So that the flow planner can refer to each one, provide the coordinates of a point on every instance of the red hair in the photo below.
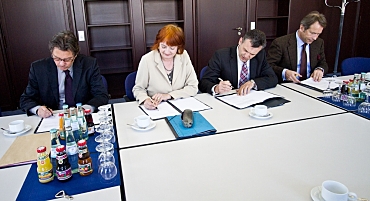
(172, 35)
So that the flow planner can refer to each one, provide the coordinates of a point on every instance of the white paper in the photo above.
(323, 84)
(164, 109)
(253, 97)
(48, 123)
(189, 103)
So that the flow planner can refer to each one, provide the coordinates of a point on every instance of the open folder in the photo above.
(253, 98)
(200, 126)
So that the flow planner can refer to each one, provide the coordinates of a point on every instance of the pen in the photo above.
(153, 103)
(223, 80)
(49, 110)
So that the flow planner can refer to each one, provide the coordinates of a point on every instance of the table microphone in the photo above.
(187, 118)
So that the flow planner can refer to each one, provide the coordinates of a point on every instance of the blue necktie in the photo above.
(68, 90)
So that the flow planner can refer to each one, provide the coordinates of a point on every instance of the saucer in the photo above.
(316, 194)
(26, 128)
(269, 115)
(151, 125)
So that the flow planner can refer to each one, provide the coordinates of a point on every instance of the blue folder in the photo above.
(200, 126)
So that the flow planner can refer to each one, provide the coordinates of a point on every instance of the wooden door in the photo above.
(27, 27)
(216, 27)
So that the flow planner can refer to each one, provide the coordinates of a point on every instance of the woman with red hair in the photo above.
(166, 72)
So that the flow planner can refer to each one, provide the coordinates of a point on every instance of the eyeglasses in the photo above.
(57, 59)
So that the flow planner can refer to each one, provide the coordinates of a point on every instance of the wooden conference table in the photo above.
(305, 142)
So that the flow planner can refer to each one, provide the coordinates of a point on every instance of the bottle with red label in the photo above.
(84, 159)
(44, 166)
(90, 122)
(63, 169)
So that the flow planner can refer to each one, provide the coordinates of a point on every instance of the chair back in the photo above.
(354, 65)
(129, 84)
(202, 72)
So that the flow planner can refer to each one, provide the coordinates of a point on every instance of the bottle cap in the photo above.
(87, 110)
(60, 148)
(81, 143)
(65, 106)
(61, 114)
(41, 149)
(78, 104)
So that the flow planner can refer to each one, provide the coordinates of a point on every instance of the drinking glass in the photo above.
(349, 101)
(336, 96)
(107, 170)
(327, 93)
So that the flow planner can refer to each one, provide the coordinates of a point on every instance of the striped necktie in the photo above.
(243, 74)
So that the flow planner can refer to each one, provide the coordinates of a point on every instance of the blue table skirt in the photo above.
(32, 189)
(350, 109)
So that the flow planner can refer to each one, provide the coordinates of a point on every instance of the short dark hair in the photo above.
(313, 17)
(65, 41)
(257, 37)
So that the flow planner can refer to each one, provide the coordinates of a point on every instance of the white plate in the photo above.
(151, 125)
(26, 128)
(316, 194)
(269, 115)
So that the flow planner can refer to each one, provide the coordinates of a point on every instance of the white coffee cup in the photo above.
(142, 121)
(260, 110)
(16, 126)
(335, 191)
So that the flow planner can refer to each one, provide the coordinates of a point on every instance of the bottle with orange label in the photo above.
(44, 166)
(62, 133)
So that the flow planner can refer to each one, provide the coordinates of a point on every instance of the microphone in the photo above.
(187, 118)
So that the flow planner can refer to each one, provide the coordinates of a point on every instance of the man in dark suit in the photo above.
(243, 67)
(285, 53)
(64, 78)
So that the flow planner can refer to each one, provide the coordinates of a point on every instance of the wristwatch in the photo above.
(254, 84)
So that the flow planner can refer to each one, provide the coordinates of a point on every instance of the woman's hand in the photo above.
(150, 104)
(158, 98)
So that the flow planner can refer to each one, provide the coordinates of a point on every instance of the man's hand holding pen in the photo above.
(44, 112)
(223, 86)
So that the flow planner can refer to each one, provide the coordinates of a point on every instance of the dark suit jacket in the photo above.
(42, 88)
(224, 65)
(282, 53)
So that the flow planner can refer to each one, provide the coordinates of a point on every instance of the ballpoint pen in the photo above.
(49, 110)
(223, 80)
(153, 103)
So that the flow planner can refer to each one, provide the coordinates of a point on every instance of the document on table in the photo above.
(252, 98)
(323, 84)
(23, 149)
(189, 103)
(46, 124)
(163, 110)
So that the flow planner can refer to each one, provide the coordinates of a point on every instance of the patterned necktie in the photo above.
(243, 74)
(68, 89)
(303, 69)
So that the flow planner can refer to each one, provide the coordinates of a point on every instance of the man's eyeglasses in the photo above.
(57, 59)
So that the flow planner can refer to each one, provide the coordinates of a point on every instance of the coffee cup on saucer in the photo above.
(260, 110)
(142, 121)
(16, 126)
(336, 191)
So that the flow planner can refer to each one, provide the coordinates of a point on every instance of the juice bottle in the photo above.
(63, 169)
(62, 133)
(84, 159)
(44, 166)
(90, 122)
